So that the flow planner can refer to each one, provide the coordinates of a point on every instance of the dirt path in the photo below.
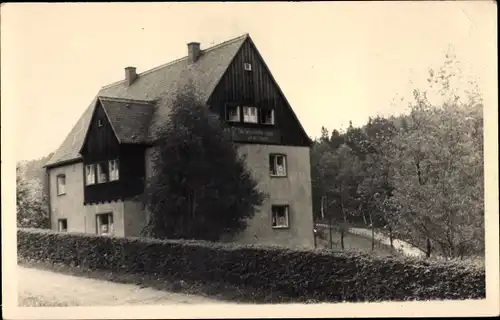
(46, 288)
(400, 245)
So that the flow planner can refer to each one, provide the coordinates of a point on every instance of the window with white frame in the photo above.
(61, 184)
(247, 66)
(104, 223)
(250, 114)
(114, 172)
(62, 225)
(102, 172)
(233, 113)
(267, 116)
(280, 216)
(90, 174)
(277, 165)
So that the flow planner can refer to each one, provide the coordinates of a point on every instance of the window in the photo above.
(102, 172)
(114, 173)
(250, 114)
(62, 225)
(233, 113)
(90, 174)
(247, 66)
(277, 165)
(104, 223)
(267, 116)
(61, 184)
(99, 123)
(280, 216)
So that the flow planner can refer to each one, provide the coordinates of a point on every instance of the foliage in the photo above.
(437, 174)
(294, 275)
(417, 176)
(201, 188)
(31, 202)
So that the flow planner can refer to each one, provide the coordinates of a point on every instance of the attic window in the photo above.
(99, 123)
(267, 116)
(250, 114)
(247, 66)
(233, 113)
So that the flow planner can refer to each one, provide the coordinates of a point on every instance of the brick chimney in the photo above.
(193, 51)
(130, 75)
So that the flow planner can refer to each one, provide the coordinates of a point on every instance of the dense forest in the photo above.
(417, 176)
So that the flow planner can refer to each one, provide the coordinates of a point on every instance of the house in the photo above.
(103, 163)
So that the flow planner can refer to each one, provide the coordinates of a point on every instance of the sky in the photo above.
(335, 61)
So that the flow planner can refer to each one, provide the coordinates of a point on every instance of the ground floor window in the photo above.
(104, 223)
(280, 216)
(62, 225)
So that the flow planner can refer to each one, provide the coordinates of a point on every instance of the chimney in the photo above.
(193, 51)
(130, 75)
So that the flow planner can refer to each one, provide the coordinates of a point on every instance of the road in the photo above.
(45, 288)
(402, 246)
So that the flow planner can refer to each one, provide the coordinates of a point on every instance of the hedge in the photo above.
(298, 275)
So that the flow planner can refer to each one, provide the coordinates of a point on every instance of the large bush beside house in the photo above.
(297, 275)
(202, 188)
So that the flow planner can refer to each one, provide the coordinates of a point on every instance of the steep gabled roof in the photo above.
(129, 118)
(160, 84)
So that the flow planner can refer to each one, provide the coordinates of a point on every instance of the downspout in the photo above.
(47, 177)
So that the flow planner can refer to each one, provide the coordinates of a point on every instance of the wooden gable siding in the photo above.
(101, 142)
(132, 171)
(256, 88)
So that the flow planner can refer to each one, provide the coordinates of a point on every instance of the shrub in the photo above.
(298, 275)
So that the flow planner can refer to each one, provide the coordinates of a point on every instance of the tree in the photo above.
(201, 188)
(31, 209)
(375, 188)
(339, 171)
(437, 168)
(336, 139)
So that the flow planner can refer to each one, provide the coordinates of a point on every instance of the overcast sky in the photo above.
(334, 61)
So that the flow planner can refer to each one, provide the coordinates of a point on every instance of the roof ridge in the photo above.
(217, 46)
(127, 99)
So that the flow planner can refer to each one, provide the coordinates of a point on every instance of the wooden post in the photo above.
(323, 207)
(314, 232)
(330, 229)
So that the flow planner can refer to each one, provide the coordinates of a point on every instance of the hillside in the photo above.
(33, 170)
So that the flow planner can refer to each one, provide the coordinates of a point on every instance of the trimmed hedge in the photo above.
(297, 275)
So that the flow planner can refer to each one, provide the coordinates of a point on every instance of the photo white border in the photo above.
(489, 306)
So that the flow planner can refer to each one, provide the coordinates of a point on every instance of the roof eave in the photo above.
(62, 163)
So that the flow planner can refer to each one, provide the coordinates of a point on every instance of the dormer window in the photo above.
(233, 113)
(267, 116)
(114, 173)
(102, 172)
(247, 66)
(90, 174)
(250, 114)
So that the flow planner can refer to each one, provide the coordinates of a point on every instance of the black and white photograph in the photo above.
(249, 159)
